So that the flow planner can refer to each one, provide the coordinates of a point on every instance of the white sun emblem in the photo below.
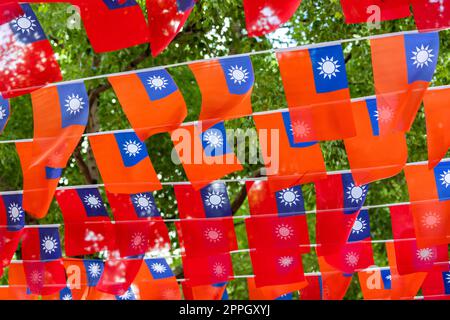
(35, 277)
(158, 267)
(67, 297)
(157, 82)
(49, 244)
(213, 235)
(388, 277)
(384, 114)
(300, 129)
(92, 201)
(143, 202)
(445, 178)
(238, 74)
(213, 138)
(422, 56)
(24, 24)
(285, 261)
(2, 113)
(284, 231)
(359, 226)
(126, 296)
(328, 67)
(356, 193)
(352, 258)
(431, 220)
(219, 269)
(289, 197)
(138, 241)
(94, 270)
(215, 199)
(447, 277)
(132, 148)
(425, 254)
(15, 212)
(74, 104)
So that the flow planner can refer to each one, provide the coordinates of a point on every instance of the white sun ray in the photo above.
(2, 113)
(215, 199)
(285, 261)
(284, 231)
(445, 178)
(384, 114)
(219, 269)
(24, 24)
(126, 296)
(425, 254)
(213, 138)
(35, 277)
(447, 277)
(74, 104)
(289, 197)
(300, 129)
(49, 244)
(238, 74)
(213, 235)
(328, 67)
(351, 258)
(431, 220)
(158, 267)
(422, 56)
(92, 201)
(15, 212)
(143, 202)
(356, 193)
(132, 148)
(94, 270)
(137, 241)
(359, 226)
(157, 82)
(67, 297)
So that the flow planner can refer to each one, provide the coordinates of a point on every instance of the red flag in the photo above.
(206, 155)
(26, 56)
(124, 164)
(207, 292)
(208, 269)
(265, 16)
(373, 156)
(165, 20)
(317, 93)
(154, 105)
(88, 228)
(226, 85)
(431, 15)
(335, 283)
(402, 80)
(287, 163)
(273, 292)
(437, 116)
(42, 263)
(113, 25)
(436, 285)
(361, 11)
(18, 282)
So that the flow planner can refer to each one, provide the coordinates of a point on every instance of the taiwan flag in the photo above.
(437, 116)
(39, 181)
(265, 16)
(436, 285)
(217, 291)
(226, 86)
(113, 24)
(156, 281)
(124, 164)
(5, 112)
(287, 162)
(25, 53)
(83, 276)
(335, 283)
(138, 224)
(366, 11)
(278, 218)
(165, 20)
(88, 228)
(338, 202)
(273, 292)
(42, 263)
(153, 105)
(373, 156)
(402, 79)
(317, 93)
(64, 294)
(277, 267)
(206, 225)
(411, 258)
(431, 15)
(314, 289)
(12, 221)
(206, 155)
(428, 184)
(376, 284)
(207, 269)
(17, 281)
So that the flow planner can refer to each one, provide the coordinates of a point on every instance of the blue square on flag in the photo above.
(290, 201)
(26, 27)
(214, 141)
(354, 196)
(361, 227)
(372, 109)
(446, 279)
(144, 205)
(118, 4)
(158, 84)
(92, 202)
(65, 294)
(15, 215)
(132, 149)
(159, 268)
(290, 132)
(216, 202)
(50, 246)
(442, 180)
(328, 65)
(422, 51)
(94, 270)
(386, 277)
(74, 104)
(238, 72)
(4, 112)
(184, 5)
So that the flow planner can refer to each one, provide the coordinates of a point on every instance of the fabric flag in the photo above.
(206, 155)
(410, 258)
(431, 15)
(338, 201)
(273, 292)
(124, 164)
(165, 20)
(278, 218)
(113, 24)
(83, 276)
(425, 184)
(226, 86)
(26, 55)
(437, 116)
(130, 294)
(402, 80)
(317, 93)
(206, 225)
(314, 289)
(265, 16)
(154, 105)
(138, 224)
(287, 163)
(362, 11)
(280, 267)
(88, 228)
(64, 294)
(6, 293)
(5, 112)
(12, 221)
(207, 269)
(436, 285)
(335, 283)
(42, 263)
(373, 156)
(18, 282)
(156, 281)
(216, 291)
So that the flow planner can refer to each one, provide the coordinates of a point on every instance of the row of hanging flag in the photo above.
(277, 234)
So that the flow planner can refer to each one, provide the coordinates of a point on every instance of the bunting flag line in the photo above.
(436, 285)
(360, 11)
(18, 283)
(334, 283)
(208, 269)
